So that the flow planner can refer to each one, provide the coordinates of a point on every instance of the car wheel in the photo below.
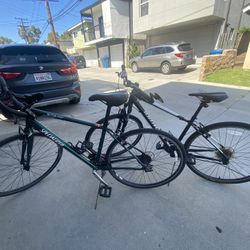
(135, 67)
(182, 68)
(166, 68)
(75, 101)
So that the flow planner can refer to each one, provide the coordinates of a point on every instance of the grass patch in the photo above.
(235, 76)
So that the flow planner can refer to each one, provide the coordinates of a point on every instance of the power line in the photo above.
(74, 5)
(23, 28)
(50, 19)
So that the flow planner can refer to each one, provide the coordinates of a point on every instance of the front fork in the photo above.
(27, 146)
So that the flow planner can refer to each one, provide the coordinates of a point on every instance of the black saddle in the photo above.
(211, 97)
(111, 98)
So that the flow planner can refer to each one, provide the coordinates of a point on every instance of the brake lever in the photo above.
(156, 97)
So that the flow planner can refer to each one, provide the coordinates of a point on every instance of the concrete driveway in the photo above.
(191, 213)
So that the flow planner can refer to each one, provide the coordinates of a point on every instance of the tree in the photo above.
(66, 36)
(5, 40)
(29, 34)
(50, 38)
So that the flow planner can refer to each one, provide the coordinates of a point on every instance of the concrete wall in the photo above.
(166, 13)
(107, 20)
(213, 63)
(202, 38)
(120, 18)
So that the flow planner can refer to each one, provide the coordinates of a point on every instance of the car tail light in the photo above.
(9, 75)
(180, 55)
(69, 71)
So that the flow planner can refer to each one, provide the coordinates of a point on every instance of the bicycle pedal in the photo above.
(105, 191)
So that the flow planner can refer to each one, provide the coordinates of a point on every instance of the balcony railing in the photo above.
(94, 33)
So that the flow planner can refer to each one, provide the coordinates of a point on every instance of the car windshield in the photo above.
(30, 55)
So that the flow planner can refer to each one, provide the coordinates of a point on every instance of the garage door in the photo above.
(103, 52)
(91, 58)
(116, 52)
(202, 38)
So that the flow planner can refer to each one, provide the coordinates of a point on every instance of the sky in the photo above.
(35, 13)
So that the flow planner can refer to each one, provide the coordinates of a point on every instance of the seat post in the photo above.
(104, 127)
(190, 122)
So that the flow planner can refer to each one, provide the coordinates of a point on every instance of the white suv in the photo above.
(174, 55)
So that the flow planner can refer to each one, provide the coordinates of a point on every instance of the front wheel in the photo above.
(220, 152)
(17, 172)
(155, 160)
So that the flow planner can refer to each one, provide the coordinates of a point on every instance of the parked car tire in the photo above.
(166, 68)
(75, 101)
(182, 68)
(135, 67)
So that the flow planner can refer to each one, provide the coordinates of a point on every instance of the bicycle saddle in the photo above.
(111, 98)
(211, 97)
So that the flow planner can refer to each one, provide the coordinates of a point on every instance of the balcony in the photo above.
(94, 33)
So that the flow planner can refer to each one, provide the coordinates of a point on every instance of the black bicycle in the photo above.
(141, 158)
(218, 152)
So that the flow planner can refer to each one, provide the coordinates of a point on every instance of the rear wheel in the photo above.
(166, 68)
(227, 164)
(15, 174)
(75, 101)
(182, 68)
(117, 124)
(155, 160)
(135, 67)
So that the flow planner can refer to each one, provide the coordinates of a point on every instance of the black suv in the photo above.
(30, 69)
(78, 60)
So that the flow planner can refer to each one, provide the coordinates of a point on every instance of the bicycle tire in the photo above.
(234, 137)
(93, 135)
(12, 172)
(151, 150)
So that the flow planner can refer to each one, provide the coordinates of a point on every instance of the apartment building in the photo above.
(206, 24)
(109, 31)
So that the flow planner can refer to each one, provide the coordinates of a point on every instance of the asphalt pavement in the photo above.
(190, 214)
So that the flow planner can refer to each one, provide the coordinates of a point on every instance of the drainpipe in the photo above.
(238, 25)
(225, 23)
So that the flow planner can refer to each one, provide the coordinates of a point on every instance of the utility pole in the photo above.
(50, 20)
(23, 28)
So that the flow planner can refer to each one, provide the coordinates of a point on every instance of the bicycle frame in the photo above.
(190, 123)
(33, 123)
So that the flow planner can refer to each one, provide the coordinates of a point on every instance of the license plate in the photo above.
(42, 77)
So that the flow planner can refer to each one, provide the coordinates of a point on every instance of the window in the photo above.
(148, 52)
(167, 50)
(143, 7)
(185, 47)
(75, 34)
(31, 55)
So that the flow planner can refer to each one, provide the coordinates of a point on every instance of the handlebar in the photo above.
(5, 93)
(139, 93)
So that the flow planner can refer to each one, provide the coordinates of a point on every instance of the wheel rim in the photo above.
(13, 177)
(159, 168)
(134, 67)
(113, 125)
(165, 68)
(236, 147)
